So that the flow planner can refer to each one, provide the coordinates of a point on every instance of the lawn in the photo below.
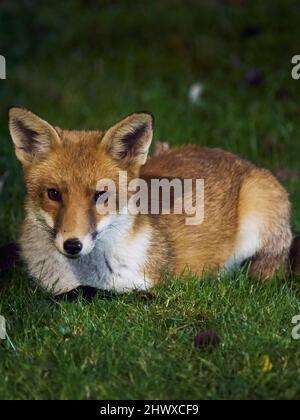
(80, 65)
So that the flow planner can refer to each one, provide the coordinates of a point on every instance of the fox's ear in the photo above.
(129, 140)
(32, 136)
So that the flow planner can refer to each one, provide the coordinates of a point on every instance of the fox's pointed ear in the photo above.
(129, 140)
(32, 136)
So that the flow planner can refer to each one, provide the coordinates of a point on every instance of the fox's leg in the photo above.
(264, 201)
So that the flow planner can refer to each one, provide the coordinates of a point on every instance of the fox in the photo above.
(66, 243)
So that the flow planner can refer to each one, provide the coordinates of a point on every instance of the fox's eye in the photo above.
(101, 197)
(54, 195)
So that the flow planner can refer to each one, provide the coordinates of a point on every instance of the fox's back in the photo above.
(210, 244)
(223, 174)
(210, 164)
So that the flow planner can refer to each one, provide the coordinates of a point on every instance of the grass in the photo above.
(82, 66)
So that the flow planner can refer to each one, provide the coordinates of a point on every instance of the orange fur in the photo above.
(240, 199)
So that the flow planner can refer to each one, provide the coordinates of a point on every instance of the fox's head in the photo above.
(63, 168)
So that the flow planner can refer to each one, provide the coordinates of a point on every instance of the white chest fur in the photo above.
(117, 261)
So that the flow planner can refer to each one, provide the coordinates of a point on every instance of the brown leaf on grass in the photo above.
(77, 331)
(209, 338)
(284, 174)
(269, 145)
(253, 78)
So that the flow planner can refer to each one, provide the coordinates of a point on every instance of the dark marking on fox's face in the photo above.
(29, 143)
(131, 141)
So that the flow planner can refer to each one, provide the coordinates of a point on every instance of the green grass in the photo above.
(129, 348)
(82, 66)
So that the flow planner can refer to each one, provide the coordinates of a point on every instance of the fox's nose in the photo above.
(73, 246)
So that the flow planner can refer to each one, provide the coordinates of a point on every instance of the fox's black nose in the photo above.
(73, 246)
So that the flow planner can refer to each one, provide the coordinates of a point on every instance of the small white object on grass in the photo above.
(160, 148)
(2, 328)
(195, 93)
(3, 332)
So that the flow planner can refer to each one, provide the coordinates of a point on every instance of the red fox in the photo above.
(66, 242)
